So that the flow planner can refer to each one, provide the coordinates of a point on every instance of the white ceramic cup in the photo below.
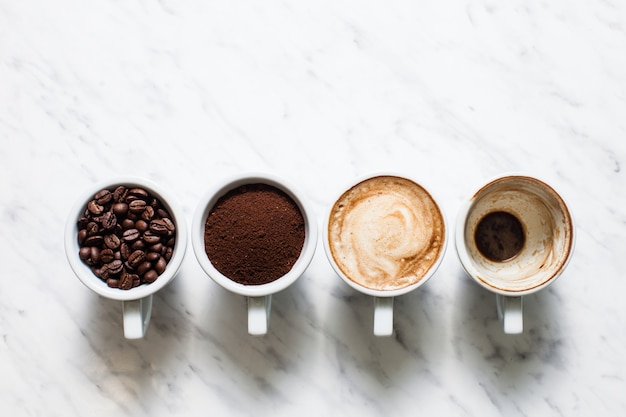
(396, 217)
(548, 242)
(259, 297)
(137, 301)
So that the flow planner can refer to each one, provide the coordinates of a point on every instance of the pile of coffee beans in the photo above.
(126, 236)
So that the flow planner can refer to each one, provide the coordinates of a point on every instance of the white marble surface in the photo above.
(186, 93)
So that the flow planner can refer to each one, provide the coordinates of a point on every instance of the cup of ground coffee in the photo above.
(514, 237)
(385, 236)
(254, 235)
(125, 239)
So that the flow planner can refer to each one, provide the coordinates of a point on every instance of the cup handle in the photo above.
(383, 316)
(137, 317)
(259, 314)
(510, 313)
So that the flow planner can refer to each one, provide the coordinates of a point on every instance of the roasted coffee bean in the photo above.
(150, 238)
(141, 225)
(139, 193)
(119, 193)
(82, 235)
(162, 213)
(158, 248)
(136, 258)
(120, 209)
(84, 253)
(104, 273)
(95, 255)
(131, 235)
(128, 224)
(95, 240)
(124, 251)
(82, 222)
(112, 241)
(92, 228)
(150, 276)
(137, 206)
(168, 254)
(103, 197)
(126, 281)
(171, 241)
(158, 227)
(106, 256)
(138, 244)
(108, 220)
(170, 225)
(148, 213)
(144, 267)
(160, 265)
(114, 267)
(113, 283)
(152, 256)
(130, 198)
(95, 208)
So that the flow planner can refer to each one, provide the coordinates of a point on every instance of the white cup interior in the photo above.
(198, 227)
(82, 270)
(548, 231)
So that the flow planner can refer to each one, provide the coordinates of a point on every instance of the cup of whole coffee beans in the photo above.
(125, 239)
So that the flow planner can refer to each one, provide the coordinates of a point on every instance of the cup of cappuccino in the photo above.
(385, 236)
(514, 237)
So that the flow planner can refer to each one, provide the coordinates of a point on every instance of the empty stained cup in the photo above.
(125, 239)
(385, 236)
(254, 236)
(514, 237)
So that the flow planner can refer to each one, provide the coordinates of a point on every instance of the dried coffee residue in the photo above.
(499, 236)
(254, 234)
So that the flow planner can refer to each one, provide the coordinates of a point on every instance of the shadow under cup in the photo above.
(137, 301)
(259, 296)
(527, 220)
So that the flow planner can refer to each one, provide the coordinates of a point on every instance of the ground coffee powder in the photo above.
(254, 234)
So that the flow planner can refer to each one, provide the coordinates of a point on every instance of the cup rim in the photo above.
(84, 273)
(371, 291)
(206, 203)
(459, 237)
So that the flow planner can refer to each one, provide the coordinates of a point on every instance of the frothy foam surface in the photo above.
(385, 233)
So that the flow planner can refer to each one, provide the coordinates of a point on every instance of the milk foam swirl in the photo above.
(385, 233)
